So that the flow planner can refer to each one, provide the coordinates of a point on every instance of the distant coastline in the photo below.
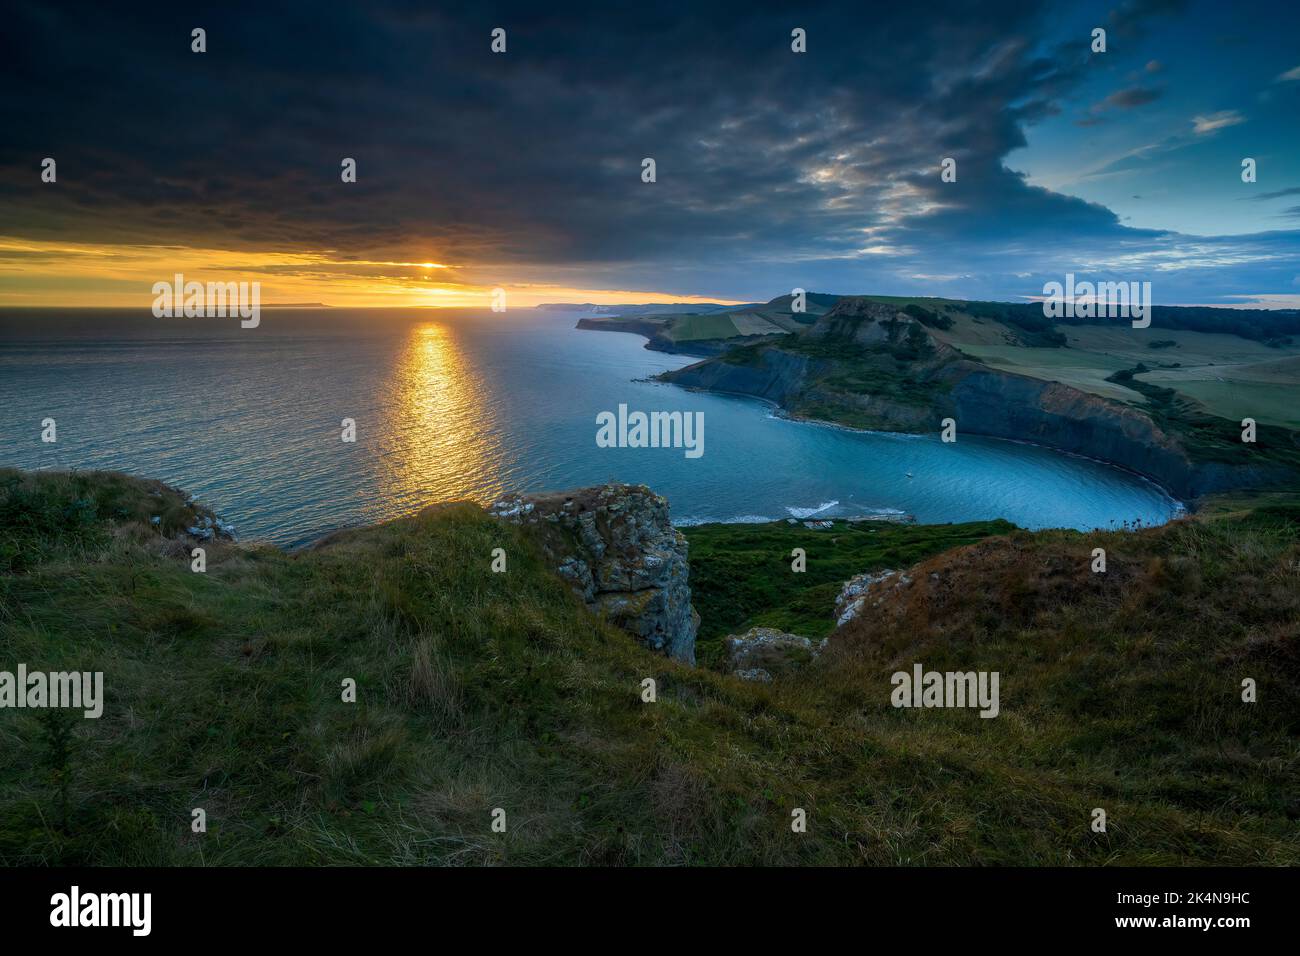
(799, 374)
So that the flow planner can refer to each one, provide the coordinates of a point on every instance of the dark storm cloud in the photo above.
(1133, 18)
(532, 159)
(1130, 98)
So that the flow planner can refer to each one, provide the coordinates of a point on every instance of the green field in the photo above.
(1232, 376)
(1267, 391)
(689, 328)
(1084, 370)
(771, 318)
(752, 323)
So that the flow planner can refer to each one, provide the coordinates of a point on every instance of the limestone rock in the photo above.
(857, 591)
(617, 549)
(763, 651)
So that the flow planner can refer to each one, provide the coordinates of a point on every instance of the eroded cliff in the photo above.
(868, 365)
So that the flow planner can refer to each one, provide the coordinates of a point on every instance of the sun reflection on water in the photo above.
(445, 439)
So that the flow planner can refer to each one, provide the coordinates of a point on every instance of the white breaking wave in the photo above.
(809, 512)
(690, 522)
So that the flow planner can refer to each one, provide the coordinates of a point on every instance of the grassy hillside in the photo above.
(1231, 376)
(898, 365)
(481, 690)
(742, 577)
(1232, 363)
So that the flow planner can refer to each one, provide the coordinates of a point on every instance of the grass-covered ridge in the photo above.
(742, 575)
(481, 690)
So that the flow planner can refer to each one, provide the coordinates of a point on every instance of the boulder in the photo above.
(761, 652)
(616, 547)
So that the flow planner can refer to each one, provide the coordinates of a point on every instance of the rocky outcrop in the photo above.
(861, 588)
(864, 322)
(208, 526)
(616, 547)
(762, 652)
(856, 341)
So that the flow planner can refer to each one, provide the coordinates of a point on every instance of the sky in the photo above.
(774, 170)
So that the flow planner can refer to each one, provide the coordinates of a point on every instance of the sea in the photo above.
(454, 404)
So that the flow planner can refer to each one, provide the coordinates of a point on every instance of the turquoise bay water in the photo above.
(455, 404)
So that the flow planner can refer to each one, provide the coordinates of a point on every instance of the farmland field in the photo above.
(1082, 369)
(689, 328)
(1265, 391)
(1233, 377)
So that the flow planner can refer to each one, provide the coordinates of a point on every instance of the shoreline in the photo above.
(1181, 507)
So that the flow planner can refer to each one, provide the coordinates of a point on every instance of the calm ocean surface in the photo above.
(469, 404)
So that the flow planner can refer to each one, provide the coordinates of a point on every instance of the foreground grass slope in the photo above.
(481, 690)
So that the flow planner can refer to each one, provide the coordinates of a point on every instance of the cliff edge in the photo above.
(616, 547)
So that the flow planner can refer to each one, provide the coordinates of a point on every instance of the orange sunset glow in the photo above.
(49, 273)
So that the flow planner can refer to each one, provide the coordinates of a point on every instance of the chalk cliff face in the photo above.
(810, 380)
(616, 547)
(989, 402)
